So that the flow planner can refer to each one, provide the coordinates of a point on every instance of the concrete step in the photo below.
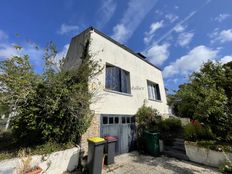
(178, 148)
(178, 143)
(176, 154)
(180, 140)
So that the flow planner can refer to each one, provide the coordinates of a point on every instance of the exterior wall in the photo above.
(73, 57)
(93, 131)
(54, 163)
(107, 102)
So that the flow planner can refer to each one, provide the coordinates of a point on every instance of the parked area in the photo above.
(133, 163)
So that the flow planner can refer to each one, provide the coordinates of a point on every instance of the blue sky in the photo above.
(175, 35)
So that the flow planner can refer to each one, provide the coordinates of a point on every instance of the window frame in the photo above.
(121, 71)
(156, 91)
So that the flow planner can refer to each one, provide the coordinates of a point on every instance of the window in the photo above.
(153, 91)
(116, 120)
(105, 120)
(111, 120)
(117, 79)
(123, 120)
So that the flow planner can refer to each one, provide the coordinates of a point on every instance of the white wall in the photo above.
(54, 163)
(140, 72)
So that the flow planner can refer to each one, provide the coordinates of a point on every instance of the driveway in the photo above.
(133, 163)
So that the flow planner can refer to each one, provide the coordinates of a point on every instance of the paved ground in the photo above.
(132, 163)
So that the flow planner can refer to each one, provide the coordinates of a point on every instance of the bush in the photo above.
(169, 129)
(57, 109)
(195, 131)
(226, 167)
(147, 119)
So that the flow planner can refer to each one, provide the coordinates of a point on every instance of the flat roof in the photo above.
(120, 45)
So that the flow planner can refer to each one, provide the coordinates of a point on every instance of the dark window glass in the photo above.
(111, 120)
(123, 120)
(116, 120)
(105, 120)
(117, 79)
(133, 119)
(128, 120)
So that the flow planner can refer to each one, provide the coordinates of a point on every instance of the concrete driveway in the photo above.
(133, 163)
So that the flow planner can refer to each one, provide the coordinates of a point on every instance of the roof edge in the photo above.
(91, 28)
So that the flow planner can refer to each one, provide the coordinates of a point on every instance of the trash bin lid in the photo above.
(96, 139)
(110, 138)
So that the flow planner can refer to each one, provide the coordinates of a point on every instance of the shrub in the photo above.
(169, 129)
(226, 167)
(195, 131)
(147, 119)
(57, 109)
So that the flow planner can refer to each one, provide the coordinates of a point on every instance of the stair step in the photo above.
(178, 143)
(179, 140)
(176, 154)
(175, 148)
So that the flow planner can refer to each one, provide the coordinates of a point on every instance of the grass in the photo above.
(10, 149)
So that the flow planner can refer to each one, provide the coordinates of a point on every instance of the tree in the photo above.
(53, 106)
(207, 97)
(17, 81)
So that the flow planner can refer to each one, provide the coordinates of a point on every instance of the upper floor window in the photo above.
(153, 91)
(117, 79)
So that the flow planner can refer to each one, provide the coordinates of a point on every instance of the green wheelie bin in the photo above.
(152, 143)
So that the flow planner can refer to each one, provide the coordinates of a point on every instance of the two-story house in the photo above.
(125, 83)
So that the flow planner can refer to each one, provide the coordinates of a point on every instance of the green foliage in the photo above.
(207, 98)
(226, 167)
(215, 145)
(170, 129)
(53, 106)
(195, 131)
(147, 119)
(9, 148)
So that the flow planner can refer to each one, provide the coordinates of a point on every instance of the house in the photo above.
(125, 83)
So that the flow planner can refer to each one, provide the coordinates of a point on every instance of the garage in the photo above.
(121, 126)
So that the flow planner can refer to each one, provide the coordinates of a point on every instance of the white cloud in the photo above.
(7, 51)
(222, 17)
(171, 17)
(153, 28)
(61, 54)
(106, 12)
(133, 16)
(3, 35)
(157, 54)
(64, 29)
(184, 38)
(226, 59)
(190, 62)
(179, 28)
(222, 36)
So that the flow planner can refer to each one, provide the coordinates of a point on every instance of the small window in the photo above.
(123, 120)
(133, 119)
(128, 120)
(116, 120)
(105, 120)
(111, 120)
(153, 91)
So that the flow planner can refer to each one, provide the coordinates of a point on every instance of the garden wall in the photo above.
(205, 156)
(54, 163)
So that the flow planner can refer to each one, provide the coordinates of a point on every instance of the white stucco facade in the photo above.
(105, 51)
(110, 102)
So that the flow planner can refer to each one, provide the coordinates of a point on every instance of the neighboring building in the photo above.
(126, 82)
